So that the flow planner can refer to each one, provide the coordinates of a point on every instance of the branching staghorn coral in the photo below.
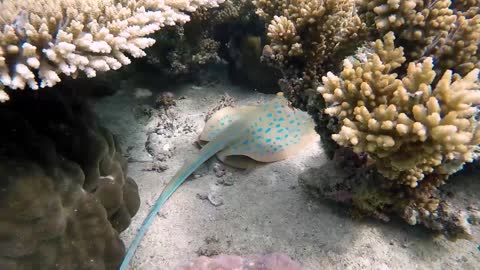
(461, 49)
(312, 31)
(41, 39)
(447, 30)
(435, 50)
(409, 125)
(229, 11)
(415, 20)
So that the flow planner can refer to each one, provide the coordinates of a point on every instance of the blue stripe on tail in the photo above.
(166, 193)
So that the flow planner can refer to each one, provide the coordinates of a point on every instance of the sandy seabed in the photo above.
(261, 210)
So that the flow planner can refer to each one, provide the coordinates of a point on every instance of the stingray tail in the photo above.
(206, 152)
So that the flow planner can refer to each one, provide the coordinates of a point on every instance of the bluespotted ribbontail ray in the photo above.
(275, 132)
(265, 133)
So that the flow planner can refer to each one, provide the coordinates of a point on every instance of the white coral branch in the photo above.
(42, 39)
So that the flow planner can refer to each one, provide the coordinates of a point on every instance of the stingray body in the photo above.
(272, 132)
(240, 137)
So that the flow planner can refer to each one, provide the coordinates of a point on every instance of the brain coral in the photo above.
(64, 193)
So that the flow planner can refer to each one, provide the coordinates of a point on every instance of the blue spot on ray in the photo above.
(270, 136)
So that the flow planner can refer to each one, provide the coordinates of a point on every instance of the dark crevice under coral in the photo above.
(229, 37)
(349, 180)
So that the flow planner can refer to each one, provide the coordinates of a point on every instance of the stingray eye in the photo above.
(290, 105)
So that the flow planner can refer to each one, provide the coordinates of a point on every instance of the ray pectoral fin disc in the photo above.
(274, 132)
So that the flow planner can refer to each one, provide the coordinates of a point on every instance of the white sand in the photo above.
(264, 210)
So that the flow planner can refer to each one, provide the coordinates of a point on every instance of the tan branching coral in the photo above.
(41, 39)
(230, 10)
(410, 126)
(447, 30)
(312, 31)
(284, 38)
(461, 50)
(407, 105)
(413, 20)
(466, 7)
